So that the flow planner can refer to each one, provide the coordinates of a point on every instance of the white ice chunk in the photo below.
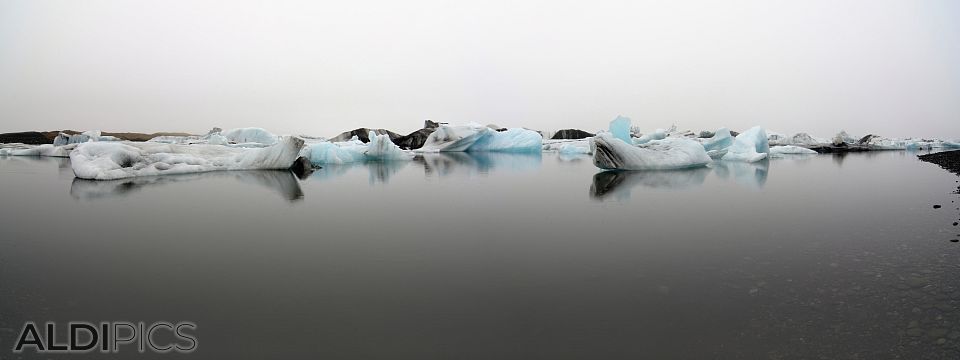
(658, 134)
(48, 150)
(382, 148)
(721, 139)
(575, 148)
(780, 151)
(454, 138)
(511, 140)
(620, 128)
(749, 146)
(334, 153)
(610, 152)
(117, 160)
(250, 135)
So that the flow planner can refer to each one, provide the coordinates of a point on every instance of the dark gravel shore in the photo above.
(949, 160)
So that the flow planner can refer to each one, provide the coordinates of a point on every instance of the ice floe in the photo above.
(250, 135)
(749, 146)
(612, 153)
(510, 140)
(620, 128)
(781, 150)
(380, 148)
(117, 160)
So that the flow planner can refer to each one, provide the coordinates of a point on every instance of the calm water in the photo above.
(498, 257)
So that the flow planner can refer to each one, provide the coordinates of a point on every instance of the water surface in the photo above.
(497, 256)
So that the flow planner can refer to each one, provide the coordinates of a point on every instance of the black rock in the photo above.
(427, 124)
(955, 223)
(954, 240)
(415, 139)
(571, 134)
(936, 206)
(302, 168)
(363, 134)
(949, 160)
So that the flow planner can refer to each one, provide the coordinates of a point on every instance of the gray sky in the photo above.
(321, 67)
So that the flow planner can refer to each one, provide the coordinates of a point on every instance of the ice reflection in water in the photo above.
(282, 182)
(618, 184)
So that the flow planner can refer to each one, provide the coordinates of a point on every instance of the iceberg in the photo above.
(253, 135)
(749, 146)
(612, 153)
(780, 151)
(575, 148)
(510, 140)
(118, 160)
(47, 150)
(334, 153)
(720, 140)
(454, 138)
(658, 134)
(478, 138)
(620, 128)
(382, 148)
(90, 135)
(798, 139)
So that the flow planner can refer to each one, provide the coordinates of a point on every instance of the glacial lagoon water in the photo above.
(498, 256)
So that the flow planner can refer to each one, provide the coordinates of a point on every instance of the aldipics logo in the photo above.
(108, 337)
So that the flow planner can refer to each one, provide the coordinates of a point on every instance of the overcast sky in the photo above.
(321, 67)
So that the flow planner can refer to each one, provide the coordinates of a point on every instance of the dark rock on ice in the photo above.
(571, 134)
(363, 134)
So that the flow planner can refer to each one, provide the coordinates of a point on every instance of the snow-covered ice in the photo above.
(250, 135)
(454, 138)
(89, 135)
(749, 146)
(381, 147)
(781, 150)
(117, 160)
(611, 153)
(48, 150)
(658, 134)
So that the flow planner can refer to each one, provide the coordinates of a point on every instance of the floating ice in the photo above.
(612, 153)
(658, 134)
(510, 140)
(334, 153)
(779, 151)
(381, 147)
(454, 138)
(90, 135)
(721, 139)
(250, 135)
(580, 147)
(117, 160)
(951, 144)
(843, 138)
(620, 128)
(798, 139)
(48, 150)
(749, 146)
